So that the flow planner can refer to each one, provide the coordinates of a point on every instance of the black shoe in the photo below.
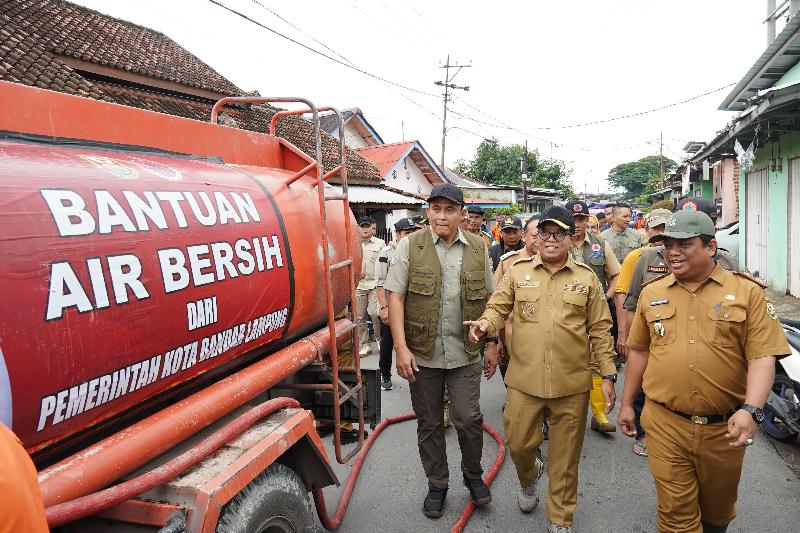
(478, 491)
(433, 506)
(324, 431)
(386, 382)
(349, 437)
(545, 430)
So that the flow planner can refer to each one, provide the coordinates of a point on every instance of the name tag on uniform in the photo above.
(658, 269)
(659, 302)
(527, 284)
(583, 289)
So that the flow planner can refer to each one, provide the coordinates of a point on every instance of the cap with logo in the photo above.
(510, 222)
(560, 216)
(657, 217)
(366, 221)
(697, 204)
(448, 192)
(405, 224)
(685, 225)
(475, 209)
(577, 208)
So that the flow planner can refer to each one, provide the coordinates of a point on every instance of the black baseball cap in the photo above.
(510, 222)
(405, 224)
(697, 204)
(577, 208)
(366, 221)
(475, 209)
(560, 216)
(448, 192)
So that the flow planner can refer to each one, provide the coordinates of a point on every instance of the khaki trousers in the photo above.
(696, 473)
(522, 422)
(367, 305)
(427, 399)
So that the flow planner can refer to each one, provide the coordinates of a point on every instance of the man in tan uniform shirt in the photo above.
(529, 232)
(703, 343)
(559, 309)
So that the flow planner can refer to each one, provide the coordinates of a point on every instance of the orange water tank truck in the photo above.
(159, 276)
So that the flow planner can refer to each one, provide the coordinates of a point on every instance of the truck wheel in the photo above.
(274, 502)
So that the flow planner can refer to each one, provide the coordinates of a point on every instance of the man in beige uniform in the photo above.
(439, 277)
(366, 298)
(559, 310)
(705, 341)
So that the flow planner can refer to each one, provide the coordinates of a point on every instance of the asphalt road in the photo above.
(615, 491)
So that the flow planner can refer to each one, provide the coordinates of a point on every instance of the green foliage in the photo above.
(500, 165)
(662, 204)
(503, 211)
(639, 178)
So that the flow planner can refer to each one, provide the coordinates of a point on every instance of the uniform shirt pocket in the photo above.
(475, 285)
(662, 323)
(574, 309)
(421, 283)
(527, 304)
(729, 325)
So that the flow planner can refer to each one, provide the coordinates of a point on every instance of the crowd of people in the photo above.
(558, 302)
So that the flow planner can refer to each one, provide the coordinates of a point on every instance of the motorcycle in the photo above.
(782, 420)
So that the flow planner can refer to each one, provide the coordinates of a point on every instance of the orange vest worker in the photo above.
(21, 507)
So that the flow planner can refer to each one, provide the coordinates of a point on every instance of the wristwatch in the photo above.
(612, 377)
(492, 339)
(756, 412)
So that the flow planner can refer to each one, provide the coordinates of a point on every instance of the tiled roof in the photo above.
(33, 33)
(255, 118)
(24, 60)
(328, 123)
(385, 156)
(70, 30)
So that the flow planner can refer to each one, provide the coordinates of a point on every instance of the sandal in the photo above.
(640, 449)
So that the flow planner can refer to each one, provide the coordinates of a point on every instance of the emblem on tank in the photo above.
(112, 166)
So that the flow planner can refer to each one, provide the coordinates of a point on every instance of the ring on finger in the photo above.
(749, 442)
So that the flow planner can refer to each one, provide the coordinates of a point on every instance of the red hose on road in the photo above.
(333, 523)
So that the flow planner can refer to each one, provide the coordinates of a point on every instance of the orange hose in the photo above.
(335, 522)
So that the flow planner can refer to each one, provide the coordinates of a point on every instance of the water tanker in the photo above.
(141, 252)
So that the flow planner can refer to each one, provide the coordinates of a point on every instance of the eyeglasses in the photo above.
(559, 235)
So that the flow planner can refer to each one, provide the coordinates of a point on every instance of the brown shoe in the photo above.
(603, 427)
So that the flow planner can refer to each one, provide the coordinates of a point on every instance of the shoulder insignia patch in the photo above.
(771, 312)
(509, 254)
(648, 282)
(758, 281)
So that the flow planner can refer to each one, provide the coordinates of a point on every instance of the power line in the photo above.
(348, 65)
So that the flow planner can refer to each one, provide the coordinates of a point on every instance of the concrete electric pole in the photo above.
(523, 164)
(447, 86)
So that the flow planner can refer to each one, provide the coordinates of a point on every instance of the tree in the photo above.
(500, 165)
(638, 177)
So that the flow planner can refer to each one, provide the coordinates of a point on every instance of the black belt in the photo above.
(701, 419)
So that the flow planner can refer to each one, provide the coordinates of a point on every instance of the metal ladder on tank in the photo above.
(354, 394)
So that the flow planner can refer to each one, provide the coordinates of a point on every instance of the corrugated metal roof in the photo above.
(377, 195)
(781, 55)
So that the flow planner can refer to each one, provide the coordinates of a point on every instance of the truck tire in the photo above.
(274, 502)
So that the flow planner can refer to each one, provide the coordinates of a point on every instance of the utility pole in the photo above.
(523, 164)
(447, 86)
(661, 158)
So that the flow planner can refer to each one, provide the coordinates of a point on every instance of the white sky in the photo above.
(535, 64)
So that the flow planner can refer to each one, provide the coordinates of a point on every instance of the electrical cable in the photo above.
(340, 62)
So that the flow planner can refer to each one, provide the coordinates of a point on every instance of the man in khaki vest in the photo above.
(559, 311)
(440, 277)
